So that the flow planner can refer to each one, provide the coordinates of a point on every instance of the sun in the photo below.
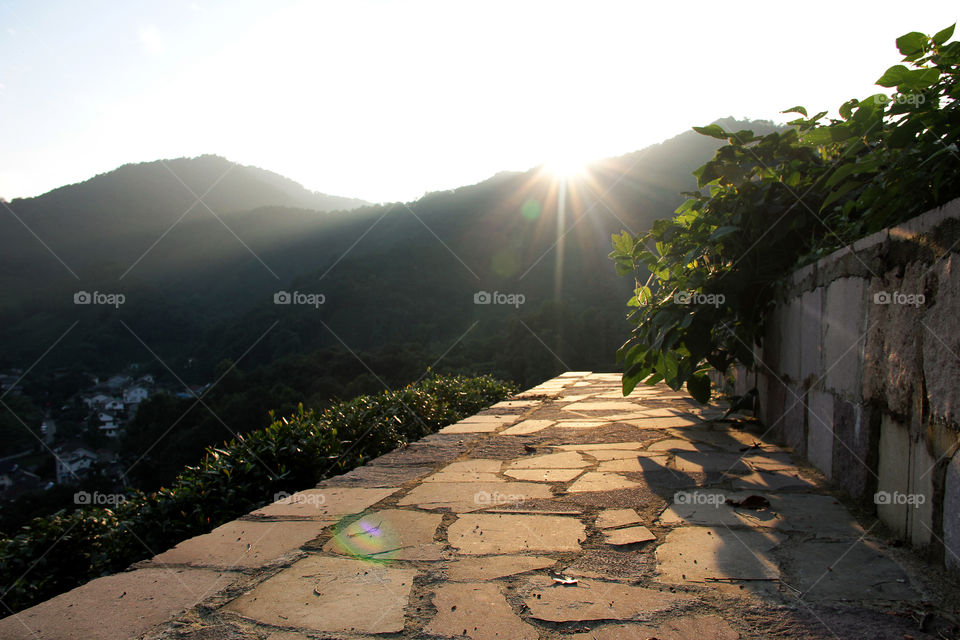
(566, 165)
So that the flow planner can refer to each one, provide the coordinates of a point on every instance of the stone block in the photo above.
(811, 335)
(794, 425)
(820, 431)
(854, 449)
(844, 316)
(941, 343)
(920, 511)
(771, 341)
(926, 222)
(773, 403)
(871, 242)
(903, 339)
(894, 471)
(791, 323)
(875, 345)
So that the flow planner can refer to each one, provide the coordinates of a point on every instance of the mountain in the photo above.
(199, 285)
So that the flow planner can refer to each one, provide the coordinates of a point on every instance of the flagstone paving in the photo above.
(568, 512)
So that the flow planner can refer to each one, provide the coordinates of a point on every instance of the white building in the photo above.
(74, 463)
(98, 400)
(134, 395)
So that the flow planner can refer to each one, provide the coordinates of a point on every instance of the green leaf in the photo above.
(817, 137)
(644, 295)
(921, 78)
(797, 109)
(893, 76)
(699, 387)
(912, 43)
(846, 107)
(845, 188)
(943, 36)
(712, 130)
(720, 232)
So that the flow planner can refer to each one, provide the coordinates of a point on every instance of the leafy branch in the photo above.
(769, 204)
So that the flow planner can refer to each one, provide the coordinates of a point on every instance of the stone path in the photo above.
(568, 512)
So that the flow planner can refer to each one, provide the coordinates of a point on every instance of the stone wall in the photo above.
(860, 372)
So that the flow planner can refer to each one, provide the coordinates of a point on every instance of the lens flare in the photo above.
(530, 209)
(370, 538)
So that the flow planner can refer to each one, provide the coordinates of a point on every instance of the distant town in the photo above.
(80, 434)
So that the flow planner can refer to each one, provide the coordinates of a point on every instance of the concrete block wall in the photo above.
(860, 372)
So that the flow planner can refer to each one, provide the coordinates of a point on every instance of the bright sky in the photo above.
(385, 100)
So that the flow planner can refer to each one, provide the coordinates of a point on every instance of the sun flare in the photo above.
(566, 165)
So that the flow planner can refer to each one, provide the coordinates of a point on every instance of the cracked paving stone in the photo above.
(473, 465)
(845, 570)
(772, 481)
(699, 554)
(124, 605)
(603, 405)
(629, 535)
(544, 475)
(635, 464)
(371, 476)
(527, 427)
(392, 534)
(768, 461)
(576, 397)
(478, 611)
(480, 424)
(330, 594)
(580, 424)
(705, 461)
(489, 533)
(599, 447)
(515, 404)
(464, 497)
(601, 481)
(596, 600)
(732, 440)
(611, 518)
(563, 460)
(326, 503)
(462, 476)
(681, 444)
(822, 516)
(493, 567)
(685, 628)
(660, 423)
(243, 544)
